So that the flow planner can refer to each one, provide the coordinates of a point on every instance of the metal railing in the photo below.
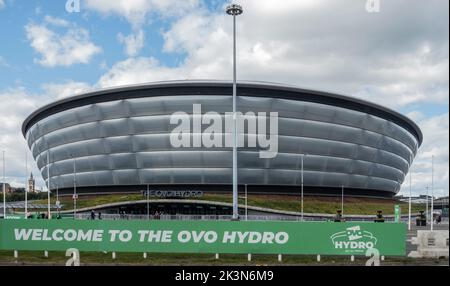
(219, 217)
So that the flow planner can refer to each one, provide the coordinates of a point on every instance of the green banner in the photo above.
(268, 237)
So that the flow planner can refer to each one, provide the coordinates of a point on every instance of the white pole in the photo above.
(74, 188)
(48, 184)
(432, 191)
(58, 208)
(426, 208)
(301, 206)
(410, 194)
(342, 201)
(246, 204)
(148, 202)
(234, 10)
(235, 187)
(26, 185)
(4, 187)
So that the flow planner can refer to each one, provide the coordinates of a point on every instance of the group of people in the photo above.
(157, 215)
(92, 217)
(40, 215)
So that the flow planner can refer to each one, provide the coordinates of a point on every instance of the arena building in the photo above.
(118, 140)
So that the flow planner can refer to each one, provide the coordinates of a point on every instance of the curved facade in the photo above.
(119, 140)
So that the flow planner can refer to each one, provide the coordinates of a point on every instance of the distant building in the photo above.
(8, 188)
(18, 190)
(31, 184)
(422, 199)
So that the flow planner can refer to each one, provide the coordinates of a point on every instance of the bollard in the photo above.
(46, 254)
(145, 255)
(352, 258)
(217, 255)
(318, 257)
(249, 257)
(16, 254)
(113, 255)
(280, 258)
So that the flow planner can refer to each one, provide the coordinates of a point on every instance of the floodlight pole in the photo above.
(301, 204)
(74, 188)
(234, 10)
(4, 186)
(410, 194)
(246, 203)
(342, 201)
(426, 206)
(432, 192)
(26, 185)
(48, 184)
(148, 202)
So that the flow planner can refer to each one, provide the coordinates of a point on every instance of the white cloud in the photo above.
(133, 42)
(16, 105)
(135, 11)
(398, 53)
(397, 58)
(73, 47)
(56, 21)
(67, 89)
(139, 70)
(436, 138)
(2, 4)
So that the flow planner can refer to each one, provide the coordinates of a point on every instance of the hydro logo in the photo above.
(354, 240)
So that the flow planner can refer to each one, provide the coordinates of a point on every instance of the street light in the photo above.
(234, 10)
(432, 192)
(409, 202)
(48, 184)
(4, 187)
(26, 185)
(74, 188)
(302, 169)
(426, 206)
(148, 202)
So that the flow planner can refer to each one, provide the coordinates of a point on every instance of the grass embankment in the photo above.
(324, 205)
(95, 258)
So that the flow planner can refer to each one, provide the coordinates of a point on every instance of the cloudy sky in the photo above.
(398, 57)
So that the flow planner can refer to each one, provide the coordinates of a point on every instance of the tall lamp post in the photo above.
(4, 187)
(148, 202)
(432, 192)
(409, 202)
(48, 185)
(26, 185)
(302, 156)
(74, 188)
(426, 206)
(234, 10)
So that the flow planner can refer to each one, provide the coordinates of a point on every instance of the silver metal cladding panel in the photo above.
(127, 142)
